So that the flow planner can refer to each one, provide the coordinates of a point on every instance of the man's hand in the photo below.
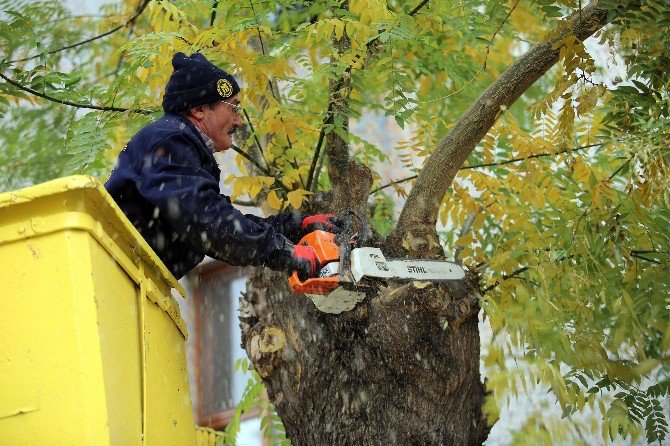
(320, 222)
(304, 261)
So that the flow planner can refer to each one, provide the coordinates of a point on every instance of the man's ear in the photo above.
(198, 112)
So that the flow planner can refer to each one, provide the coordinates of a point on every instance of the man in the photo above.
(166, 181)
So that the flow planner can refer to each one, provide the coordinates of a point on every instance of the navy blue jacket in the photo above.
(166, 181)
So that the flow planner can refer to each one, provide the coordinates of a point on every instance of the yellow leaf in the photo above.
(230, 179)
(581, 170)
(498, 261)
(296, 197)
(273, 200)
(240, 187)
(399, 190)
(339, 28)
(256, 184)
(142, 74)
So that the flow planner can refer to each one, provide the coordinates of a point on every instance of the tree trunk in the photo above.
(402, 368)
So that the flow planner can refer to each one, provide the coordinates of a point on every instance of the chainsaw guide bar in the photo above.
(346, 264)
(370, 262)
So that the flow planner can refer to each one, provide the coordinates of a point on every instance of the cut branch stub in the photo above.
(264, 348)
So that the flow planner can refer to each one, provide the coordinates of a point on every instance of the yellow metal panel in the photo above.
(47, 361)
(74, 197)
(91, 340)
(119, 330)
(168, 399)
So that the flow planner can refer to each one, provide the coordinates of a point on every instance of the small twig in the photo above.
(251, 160)
(253, 132)
(418, 7)
(257, 164)
(85, 16)
(138, 12)
(392, 183)
(73, 104)
(586, 211)
(506, 277)
(250, 203)
(637, 256)
(648, 251)
(213, 17)
(315, 158)
(441, 98)
(495, 33)
(514, 274)
(499, 163)
(318, 169)
(294, 163)
(539, 155)
(258, 28)
(464, 230)
(616, 172)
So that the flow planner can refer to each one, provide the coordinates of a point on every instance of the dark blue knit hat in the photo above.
(196, 81)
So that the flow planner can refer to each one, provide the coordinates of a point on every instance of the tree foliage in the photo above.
(562, 207)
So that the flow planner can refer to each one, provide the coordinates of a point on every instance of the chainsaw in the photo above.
(346, 267)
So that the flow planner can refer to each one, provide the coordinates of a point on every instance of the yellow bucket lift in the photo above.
(91, 338)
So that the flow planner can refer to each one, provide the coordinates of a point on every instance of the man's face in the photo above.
(220, 123)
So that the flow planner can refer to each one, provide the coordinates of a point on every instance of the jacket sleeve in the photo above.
(188, 196)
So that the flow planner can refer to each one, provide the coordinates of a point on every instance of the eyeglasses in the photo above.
(237, 108)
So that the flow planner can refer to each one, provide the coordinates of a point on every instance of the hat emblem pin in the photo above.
(224, 87)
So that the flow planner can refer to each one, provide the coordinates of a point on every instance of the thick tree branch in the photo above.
(351, 181)
(422, 206)
(138, 12)
(70, 103)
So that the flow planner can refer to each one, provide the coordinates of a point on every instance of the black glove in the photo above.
(304, 261)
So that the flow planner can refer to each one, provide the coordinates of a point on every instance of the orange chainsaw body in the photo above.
(327, 251)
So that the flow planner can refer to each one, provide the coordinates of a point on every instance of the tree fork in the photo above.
(419, 215)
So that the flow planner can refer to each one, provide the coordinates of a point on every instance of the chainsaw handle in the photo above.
(326, 251)
(313, 285)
